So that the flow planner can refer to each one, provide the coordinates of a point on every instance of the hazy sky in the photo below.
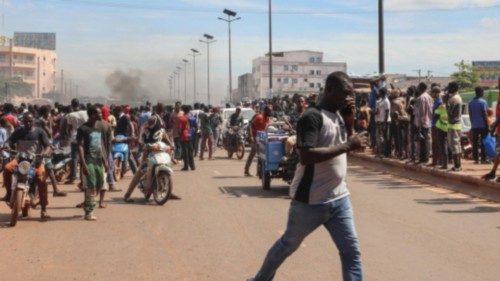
(96, 37)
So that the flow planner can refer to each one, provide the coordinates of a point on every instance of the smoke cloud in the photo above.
(126, 86)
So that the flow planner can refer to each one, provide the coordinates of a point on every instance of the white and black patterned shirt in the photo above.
(321, 182)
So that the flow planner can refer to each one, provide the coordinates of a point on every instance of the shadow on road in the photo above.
(479, 209)
(443, 201)
(255, 191)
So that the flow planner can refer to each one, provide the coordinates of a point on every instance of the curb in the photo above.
(442, 175)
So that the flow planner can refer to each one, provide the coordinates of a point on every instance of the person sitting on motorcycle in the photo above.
(29, 138)
(156, 140)
(236, 119)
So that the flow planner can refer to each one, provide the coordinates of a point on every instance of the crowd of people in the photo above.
(424, 124)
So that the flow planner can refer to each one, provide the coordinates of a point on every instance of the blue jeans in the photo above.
(303, 219)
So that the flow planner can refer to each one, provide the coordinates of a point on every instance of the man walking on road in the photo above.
(93, 159)
(319, 191)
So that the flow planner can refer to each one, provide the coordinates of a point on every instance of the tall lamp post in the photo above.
(174, 94)
(230, 14)
(194, 54)
(209, 40)
(170, 86)
(179, 82)
(381, 59)
(185, 61)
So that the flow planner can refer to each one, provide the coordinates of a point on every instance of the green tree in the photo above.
(466, 76)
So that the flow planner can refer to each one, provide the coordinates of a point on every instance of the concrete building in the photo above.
(37, 67)
(489, 72)
(246, 88)
(301, 71)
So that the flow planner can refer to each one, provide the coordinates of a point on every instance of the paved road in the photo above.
(224, 224)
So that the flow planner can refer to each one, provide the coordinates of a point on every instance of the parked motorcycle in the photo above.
(161, 178)
(120, 153)
(24, 187)
(61, 159)
(234, 142)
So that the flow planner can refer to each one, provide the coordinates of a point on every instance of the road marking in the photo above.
(216, 172)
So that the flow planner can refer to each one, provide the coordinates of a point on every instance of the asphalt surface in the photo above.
(225, 223)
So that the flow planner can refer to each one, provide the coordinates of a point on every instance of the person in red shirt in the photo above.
(495, 130)
(185, 138)
(258, 123)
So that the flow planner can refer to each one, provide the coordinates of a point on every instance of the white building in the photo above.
(302, 72)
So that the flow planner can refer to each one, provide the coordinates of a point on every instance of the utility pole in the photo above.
(270, 51)
(194, 54)
(429, 75)
(185, 80)
(209, 40)
(381, 58)
(230, 14)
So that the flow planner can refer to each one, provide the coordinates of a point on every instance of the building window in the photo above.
(311, 85)
(285, 67)
(318, 60)
(295, 67)
(311, 60)
(319, 85)
(318, 72)
(279, 80)
(285, 81)
(295, 81)
(44, 74)
(311, 72)
(305, 79)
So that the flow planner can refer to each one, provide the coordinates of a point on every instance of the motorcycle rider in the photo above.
(155, 138)
(33, 139)
(236, 119)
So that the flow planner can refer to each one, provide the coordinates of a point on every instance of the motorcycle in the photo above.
(61, 159)
(120, 153)
(161, 177)
(234, 142)
(24, 187)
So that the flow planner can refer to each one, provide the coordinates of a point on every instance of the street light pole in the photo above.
(194, 54)
(270, 50)
(179, 82)
(209, 40)
(170, 86)
(381, 59)
(185, 80)
(174, 94)
(230, 14)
